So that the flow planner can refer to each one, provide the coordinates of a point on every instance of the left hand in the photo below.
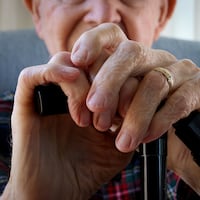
(130, 60)
(124, 82)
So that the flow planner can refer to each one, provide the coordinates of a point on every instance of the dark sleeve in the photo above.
(184, 192)
(6, 104)
(4, 174)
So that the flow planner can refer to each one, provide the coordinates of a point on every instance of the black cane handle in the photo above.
(50, 100)
(188, 130)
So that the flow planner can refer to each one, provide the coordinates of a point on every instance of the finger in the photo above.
(104, 120)
(182, 100)
(126, 95)
(143, 109)
(177, 152)
(89, 46)
(115, 71)
(140, 112)
(31, 77)
(177, 106)
(96, 66)
(76, 92)
(108, 37)
(59, 71)
(130, 59)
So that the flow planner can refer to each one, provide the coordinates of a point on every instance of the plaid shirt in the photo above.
(125, 186)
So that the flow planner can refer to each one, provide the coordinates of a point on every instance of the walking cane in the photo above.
(153, 169)
(153, 157)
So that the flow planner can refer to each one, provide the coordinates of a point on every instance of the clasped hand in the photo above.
(106, 78)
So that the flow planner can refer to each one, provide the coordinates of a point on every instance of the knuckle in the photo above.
(135, 52)
(133, 47)
(180, 106)
(110, 26)
(114, 29)
(24, 74)
(97, 32)
(59, 57)
(88, 38)
(169, 58)
(87, 35)
(189, 66)
(188, 62)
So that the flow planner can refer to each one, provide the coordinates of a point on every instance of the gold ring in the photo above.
(166, 73)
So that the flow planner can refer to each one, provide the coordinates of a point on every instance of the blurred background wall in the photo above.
(13, 15)
(185, 23)
(186, 20)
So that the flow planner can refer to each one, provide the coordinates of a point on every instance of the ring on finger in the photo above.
(167, 74)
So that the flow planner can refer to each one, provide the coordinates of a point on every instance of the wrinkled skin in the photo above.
(58, 160)
(61, 23)
(141, 120)
(91, 76)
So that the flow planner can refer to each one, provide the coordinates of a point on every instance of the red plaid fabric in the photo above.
(127, 184)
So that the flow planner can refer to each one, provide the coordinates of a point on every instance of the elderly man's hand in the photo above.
(127, 83)
(54, 158)
(127, 80)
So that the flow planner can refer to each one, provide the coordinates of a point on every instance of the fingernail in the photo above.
(126, 143)
(96, 102)
(79, 56)
(104, 121)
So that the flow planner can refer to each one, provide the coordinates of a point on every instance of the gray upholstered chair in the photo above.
(19, 49)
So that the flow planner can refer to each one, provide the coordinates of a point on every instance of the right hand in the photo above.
(54, 158)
